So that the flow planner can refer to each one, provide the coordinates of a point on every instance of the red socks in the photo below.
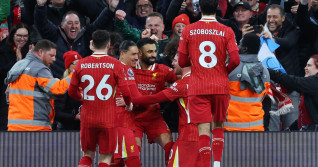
(205, 150)
(133, 162)
(103, 165)
(86, 160)
(217, 143)
(167, 149)
(117, 165)
(139, 148)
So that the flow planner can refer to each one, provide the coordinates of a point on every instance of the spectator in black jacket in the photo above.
(12, 49)
(308, 24)
(55, 11)
(308, 87)
(243, 18)
(66, 108)
(70, 35)
(281, 31)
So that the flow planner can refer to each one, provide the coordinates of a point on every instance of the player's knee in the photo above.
(163, 139)
(204, 129)
(105, 158)
(90, 154)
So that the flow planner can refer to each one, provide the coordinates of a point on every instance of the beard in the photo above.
(147, 60)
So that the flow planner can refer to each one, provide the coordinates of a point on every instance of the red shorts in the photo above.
(127, 146)
(106, 138)
(152, 127)
(184, 153)
(203, 108)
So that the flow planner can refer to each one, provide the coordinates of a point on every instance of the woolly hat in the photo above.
(183, 18)
(69, 57)
(252, 42)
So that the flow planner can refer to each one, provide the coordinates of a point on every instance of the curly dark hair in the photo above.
(172, 48)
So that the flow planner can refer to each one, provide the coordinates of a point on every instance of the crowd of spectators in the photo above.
(293, 24)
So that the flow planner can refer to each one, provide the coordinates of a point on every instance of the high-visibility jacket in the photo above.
(249, 83)
(31, 87)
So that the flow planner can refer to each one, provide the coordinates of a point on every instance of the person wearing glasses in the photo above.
(143, 8)
(12, 49)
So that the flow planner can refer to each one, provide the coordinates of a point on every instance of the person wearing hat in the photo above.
(249, 80)
(256, 6)
(70, 59)
(66, 108)
(243, 19)
(178, 24)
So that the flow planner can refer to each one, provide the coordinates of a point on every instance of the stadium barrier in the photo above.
(242, 149)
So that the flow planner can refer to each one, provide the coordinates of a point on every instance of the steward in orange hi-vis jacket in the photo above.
(249, 83)
(31, 87)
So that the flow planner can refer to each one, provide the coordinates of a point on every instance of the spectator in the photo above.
(256, 6)
(31, 89)
(249, 84)
(143, 8)
(66, 108)
(154, 29)
(12, 49)
(91, 9)
(281, 31)
(307, 22)
(4, 13)
(291, 7)
(5, 10)
(308, 87)
(55, 10)
(70, 35)
(243, 16)
(15, 16)
(178, 25)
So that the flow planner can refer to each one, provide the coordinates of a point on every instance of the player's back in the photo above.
(206, 42)
(99, 76)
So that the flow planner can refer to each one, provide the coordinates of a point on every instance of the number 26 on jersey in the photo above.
(102, 85)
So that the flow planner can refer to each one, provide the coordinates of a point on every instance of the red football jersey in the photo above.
(178, 90)
(152, 81)
(207, 42)
(98, 76)
(126, 118)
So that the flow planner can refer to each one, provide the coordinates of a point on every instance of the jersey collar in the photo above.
(208, 19)
(99, 54)
(151, 68)
(186, 74)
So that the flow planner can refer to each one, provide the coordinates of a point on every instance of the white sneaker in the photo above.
(216, 164)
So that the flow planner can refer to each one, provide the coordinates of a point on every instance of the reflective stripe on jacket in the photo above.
(249, 83)
(31, 96)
